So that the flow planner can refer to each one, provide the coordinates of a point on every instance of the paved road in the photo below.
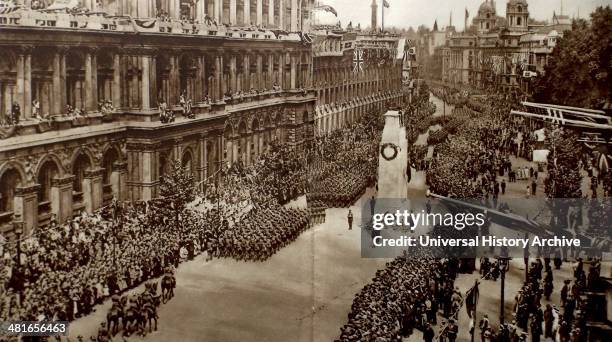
(303, 293)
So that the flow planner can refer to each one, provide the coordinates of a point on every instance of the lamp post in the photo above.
(117, 220)
(504, 265)
(18, 230)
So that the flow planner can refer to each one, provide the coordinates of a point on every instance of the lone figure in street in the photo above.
(349, 217)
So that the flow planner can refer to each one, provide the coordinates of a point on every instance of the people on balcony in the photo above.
(15, 113)
(106, 107)
(186, 104)
(166, 115)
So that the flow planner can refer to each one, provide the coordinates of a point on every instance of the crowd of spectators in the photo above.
(406, 295)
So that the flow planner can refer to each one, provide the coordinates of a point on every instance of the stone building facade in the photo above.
(90, 92)
(499, 53)
(355, 72)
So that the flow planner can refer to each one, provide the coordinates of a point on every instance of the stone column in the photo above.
(218, 77)
(217, 14)
(20, 83)
(89, 106)
(281, 67)
(235, 154)
(233, 85)
(259, 71)
(259, 12)
(63, 93)
(27, 83)
(202, 77)
(260, 141)
(294, 16)
(26, 206)
(247, 12)
(281, 14)
(118, 179)
(178, 149)
(61, 197)
(200, 11)
(271, 13)
(228, 148)
(203, 165)
(293, 71)
(116, 92)
(143, 8)
(246, 86)
(142, 170)
(145, 84)
(94, 81)
(232, 11)
(57, 88)
(270, 70)
(92, 189)
(254, 139)
(174, 9)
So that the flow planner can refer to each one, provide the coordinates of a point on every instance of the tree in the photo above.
(564, 177)
(579, 71)
(564, 180)
(178, 187)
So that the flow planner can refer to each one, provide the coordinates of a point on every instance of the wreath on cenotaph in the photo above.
(389, 151)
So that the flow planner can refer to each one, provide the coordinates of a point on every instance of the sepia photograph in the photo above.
(305, 170)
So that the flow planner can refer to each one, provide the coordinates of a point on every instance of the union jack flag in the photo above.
(358, 61)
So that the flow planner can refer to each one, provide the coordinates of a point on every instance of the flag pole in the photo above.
(383, 17)
(474, 313)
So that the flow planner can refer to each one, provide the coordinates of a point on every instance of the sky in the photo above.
(405, 13)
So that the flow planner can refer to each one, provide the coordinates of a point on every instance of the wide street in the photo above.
(305, 291)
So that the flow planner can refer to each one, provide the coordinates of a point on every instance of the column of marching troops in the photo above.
(65, 270)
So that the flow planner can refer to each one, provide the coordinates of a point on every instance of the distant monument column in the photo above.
(374, 15)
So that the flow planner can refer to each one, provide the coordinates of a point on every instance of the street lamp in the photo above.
(504, 265)
(117, 220)
(18, 230)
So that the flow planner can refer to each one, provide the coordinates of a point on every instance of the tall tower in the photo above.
(374, 15)
(517, 15)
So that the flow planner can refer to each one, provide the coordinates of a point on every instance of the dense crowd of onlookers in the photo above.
(406, 295)
(474, 150)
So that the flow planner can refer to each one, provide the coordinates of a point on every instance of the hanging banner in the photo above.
(7, 6)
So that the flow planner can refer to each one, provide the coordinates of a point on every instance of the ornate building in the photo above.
(83, 97)
(354, 72)
(69, 152)
(487, 17)
(499, 53)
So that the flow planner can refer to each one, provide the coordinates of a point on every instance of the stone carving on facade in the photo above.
(29, 166)
(65, 157)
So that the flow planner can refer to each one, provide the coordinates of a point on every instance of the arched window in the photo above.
(47, 172)
(110, 157)
(187, 162)
(519, 21)
(9, 182)
(81, 164)
(163, 162)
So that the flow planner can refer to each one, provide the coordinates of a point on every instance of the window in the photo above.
(518, 21)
